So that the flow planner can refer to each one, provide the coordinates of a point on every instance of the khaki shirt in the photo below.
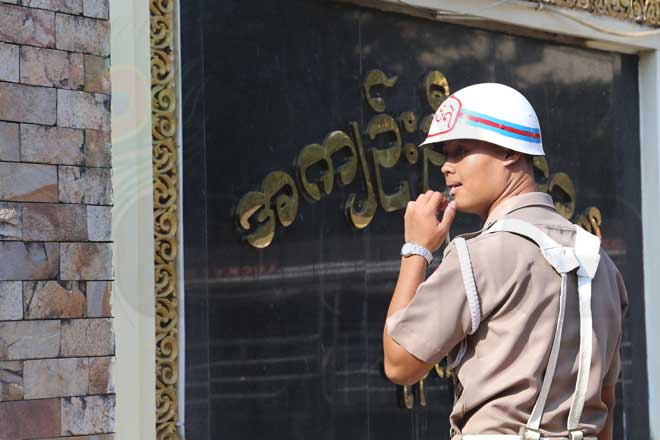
(502, 371)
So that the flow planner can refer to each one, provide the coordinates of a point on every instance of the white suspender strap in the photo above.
(534, 422)
(563, 260)
(469, 282)
(471, 294)
(587, 247)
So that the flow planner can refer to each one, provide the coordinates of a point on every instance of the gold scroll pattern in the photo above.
(642, 11)
(165, 178)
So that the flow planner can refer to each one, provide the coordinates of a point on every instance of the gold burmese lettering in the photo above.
(254, 213)
(378, 80)
(541, 165)
(412, 153)
(429, 155)
(309, 156)
(360, 213)
(422, 394)
(381, 125)
(558, 185)
(277, 188)
(562, 185)
(442, 372)
(407, 392)
(436, 89)
(319, 164)
(313, 154)
(408, 398)
(591, 220)
(408, 121)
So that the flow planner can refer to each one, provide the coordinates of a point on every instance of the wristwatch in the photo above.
(411, 248)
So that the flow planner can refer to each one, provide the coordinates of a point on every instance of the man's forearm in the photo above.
(400, 366)
(411, 275)
(421, 226)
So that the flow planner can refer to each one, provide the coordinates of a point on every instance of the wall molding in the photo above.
(165, 180)
(640, 11)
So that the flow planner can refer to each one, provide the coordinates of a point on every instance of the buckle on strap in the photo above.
(527, 433)
(561, 258)
(575, 435)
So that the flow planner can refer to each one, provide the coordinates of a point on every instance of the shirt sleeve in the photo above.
(438, 316)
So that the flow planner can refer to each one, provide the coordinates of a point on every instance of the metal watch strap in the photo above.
(411, 248)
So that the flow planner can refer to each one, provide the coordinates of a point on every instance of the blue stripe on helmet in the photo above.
(502, 132)
(501, 121)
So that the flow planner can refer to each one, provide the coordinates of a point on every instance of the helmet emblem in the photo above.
(446, 116)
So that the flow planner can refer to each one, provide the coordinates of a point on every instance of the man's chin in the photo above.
(464, 206)
(460, 207)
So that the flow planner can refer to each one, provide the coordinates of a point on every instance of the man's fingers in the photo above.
(434, 202)
(448, 217)
(409, 208)
(423, 197)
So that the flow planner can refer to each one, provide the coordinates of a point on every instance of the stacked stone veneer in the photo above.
(56, 338)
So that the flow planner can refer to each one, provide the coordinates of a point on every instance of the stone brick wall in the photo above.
(56, 336)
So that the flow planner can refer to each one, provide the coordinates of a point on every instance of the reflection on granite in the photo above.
(286, 341)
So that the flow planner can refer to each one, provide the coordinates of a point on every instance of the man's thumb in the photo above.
(448, 216)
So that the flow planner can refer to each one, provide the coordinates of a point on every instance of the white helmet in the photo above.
(489, 112)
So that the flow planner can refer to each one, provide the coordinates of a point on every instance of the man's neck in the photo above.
(522, 186)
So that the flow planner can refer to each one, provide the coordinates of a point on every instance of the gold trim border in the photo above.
(165, 178)
(641, 11)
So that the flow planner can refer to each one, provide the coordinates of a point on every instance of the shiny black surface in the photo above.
(286, 341)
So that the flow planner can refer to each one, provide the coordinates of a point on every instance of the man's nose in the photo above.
(447, 168)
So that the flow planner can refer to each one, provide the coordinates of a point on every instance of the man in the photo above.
(536, 355)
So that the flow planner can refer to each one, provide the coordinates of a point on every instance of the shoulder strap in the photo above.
(470, 286)
(469, 282)
(587, 250)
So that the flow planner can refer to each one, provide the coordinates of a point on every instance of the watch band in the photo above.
(411, 248)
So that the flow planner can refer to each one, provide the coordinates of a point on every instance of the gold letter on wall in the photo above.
(387, 158)
(278, 188)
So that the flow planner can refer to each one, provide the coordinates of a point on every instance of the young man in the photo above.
(537, 356)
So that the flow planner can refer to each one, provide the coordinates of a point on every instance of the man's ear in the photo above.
(511, 157)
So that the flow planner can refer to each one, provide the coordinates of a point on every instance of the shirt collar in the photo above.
(517, 202)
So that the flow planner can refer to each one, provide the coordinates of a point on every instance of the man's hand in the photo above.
(422, 227)
(421, 220)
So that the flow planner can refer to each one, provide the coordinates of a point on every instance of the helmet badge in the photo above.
(446, 116)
